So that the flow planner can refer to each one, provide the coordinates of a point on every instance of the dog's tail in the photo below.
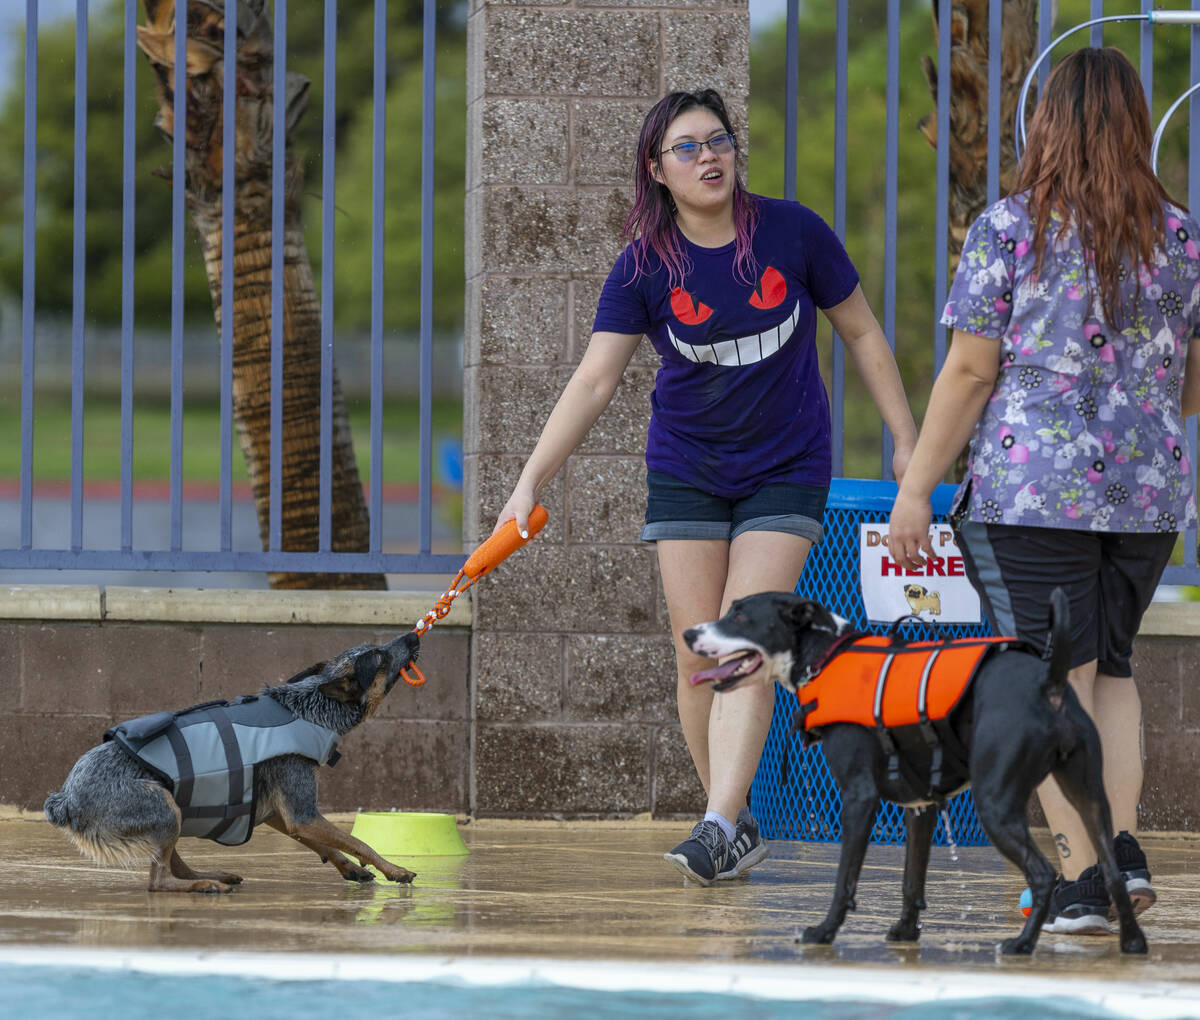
(55, 810)
(114, 850)
(1058, 647)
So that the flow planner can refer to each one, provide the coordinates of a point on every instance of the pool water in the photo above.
(41, 993)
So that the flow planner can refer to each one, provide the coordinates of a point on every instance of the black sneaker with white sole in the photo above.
(746, 849)
(1136, 873)
(702, 856)
(1132, 864)
(1079, 907)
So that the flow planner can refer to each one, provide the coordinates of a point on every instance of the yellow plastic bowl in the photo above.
(409, 833)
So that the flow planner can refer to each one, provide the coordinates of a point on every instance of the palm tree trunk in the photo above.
(349, 524)
(969, 103)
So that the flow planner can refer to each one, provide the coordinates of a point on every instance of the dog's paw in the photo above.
(902, 931)
(211, 885)
(1136, 943)
(353, 874)
(398, 874)
(816, 935)
(1018, 946)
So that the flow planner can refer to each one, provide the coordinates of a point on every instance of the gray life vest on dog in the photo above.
(207, 755)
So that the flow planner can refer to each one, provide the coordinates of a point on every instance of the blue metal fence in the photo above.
(125, 556)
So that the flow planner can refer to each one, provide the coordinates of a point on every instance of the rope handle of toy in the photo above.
(491, 553)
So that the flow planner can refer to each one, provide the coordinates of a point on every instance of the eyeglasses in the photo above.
(718, 145)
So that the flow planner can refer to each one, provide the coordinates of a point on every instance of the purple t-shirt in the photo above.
(1084, 428)
(738, 401)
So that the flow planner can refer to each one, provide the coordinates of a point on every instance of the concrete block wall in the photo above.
(573, 670)
(566, 723)
(1166, 664)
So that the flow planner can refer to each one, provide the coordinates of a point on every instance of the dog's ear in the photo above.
(343, 688)
(798, 613)
(366, 667)
(353, 683)
(305, 674)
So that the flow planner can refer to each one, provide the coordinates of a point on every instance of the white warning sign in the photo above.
(938, 592)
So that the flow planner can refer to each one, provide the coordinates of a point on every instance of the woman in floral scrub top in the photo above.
(1071, 371)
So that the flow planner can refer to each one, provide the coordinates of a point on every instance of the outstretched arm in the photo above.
(583, 400)
(861, 333)
(956, 404)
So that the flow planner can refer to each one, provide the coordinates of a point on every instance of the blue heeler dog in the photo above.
(219, 769)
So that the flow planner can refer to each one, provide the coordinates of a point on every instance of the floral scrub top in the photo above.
(1083, 429)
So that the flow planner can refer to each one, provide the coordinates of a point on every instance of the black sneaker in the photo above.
(1132, 864)
(703, 855)
(746, 850)
(1079, 907)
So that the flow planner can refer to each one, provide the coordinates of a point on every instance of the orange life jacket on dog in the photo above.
(885, 684)
(872, 681)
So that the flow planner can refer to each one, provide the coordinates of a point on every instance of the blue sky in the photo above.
(763, 12)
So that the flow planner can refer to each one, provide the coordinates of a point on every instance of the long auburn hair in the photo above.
(1088, 159)
(652, 217)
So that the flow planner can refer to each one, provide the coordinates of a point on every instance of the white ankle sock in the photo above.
(726, 825)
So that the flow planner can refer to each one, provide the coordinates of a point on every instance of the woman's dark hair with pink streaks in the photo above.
(652, 217)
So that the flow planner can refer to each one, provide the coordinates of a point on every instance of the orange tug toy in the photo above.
(490, 554)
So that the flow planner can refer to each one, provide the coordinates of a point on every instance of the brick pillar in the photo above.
(572, 670)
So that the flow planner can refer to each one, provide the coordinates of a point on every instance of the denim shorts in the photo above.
(1109, 579)
(675, 509)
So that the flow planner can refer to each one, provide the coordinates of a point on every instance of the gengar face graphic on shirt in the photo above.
(734, 336)
(741, 403)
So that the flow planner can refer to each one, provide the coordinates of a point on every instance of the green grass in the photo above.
(201, 438)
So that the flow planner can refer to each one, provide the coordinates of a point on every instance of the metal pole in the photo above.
(278, 162)
(378, 149)
(428, 95)
(842, 50)
(128, 242)
(178, 192)
(942, 215)
(328, 205)
(228, 242)
(28, 270)
(79, 271)
(791, 100)
(891, 202)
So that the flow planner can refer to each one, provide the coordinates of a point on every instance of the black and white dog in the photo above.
(1018, 722)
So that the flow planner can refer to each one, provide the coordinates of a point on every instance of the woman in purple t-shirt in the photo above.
(726, 285)
(1071, 371)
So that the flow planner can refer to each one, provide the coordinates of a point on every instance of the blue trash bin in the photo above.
(809, 807)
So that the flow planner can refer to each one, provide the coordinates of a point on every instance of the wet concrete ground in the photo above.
(583, 892)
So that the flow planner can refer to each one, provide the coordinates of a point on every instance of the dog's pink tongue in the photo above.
(717, 673)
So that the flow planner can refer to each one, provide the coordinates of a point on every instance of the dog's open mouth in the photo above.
(730, 672)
